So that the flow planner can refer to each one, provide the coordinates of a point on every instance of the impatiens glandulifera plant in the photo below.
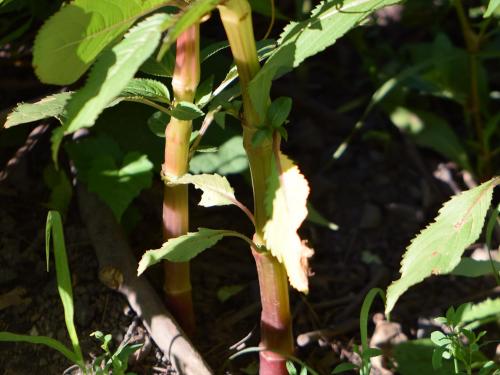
(100, 34)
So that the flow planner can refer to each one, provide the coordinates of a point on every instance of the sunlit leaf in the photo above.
(492, 7)
(109, 76)
(186, 111)
(216, 189)
(71, 39)
(146, 88)
(184, 248)
(439, 247)
(286, 204)
(54, 237)
(50, 106)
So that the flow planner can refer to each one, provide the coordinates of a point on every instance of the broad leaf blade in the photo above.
(118, 186)
(110, 75)
(492, 7)
(146, 88)
(50, 106)
(286, 203)
(329, 21)
(64, 286)
(216, 189)
(481, 310)
(182, 248)
(186, 111)
(438, 248)
(70, 40)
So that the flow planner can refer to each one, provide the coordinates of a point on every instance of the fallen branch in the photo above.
(118, 270)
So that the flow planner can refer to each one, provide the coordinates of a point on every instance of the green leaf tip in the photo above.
(439, 247)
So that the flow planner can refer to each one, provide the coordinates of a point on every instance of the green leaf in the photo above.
(204, 92)
(290, 367)
(482, 310)
(438, 248)
(474, 268)
(314, 216)
(163, 68)
(184, 248)
(118, 186)
(329, 21)
(364, 315)
(157, 123)
(109, 76)
(431, 131)
(50, 106)
(286, 205)
(186, 111)
(55, 236)
(278, 111)
(192, 14)
(226, 292)
(415, 358)
(216, 189)
(71, 39)
(492, 6)
(343, 367)
(230, 158)
(42, 340)
(146, 88)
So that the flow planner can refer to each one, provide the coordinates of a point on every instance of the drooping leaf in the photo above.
(216, 189)
(146, 88)
(469, 267)
(192, 14)
(330, 20)
(184, 248)
(54, 236)
(492, 7)
(230, 158)
(286, 205)
(119, 185)
(40, 340)
(186, 111)
(439, 247)
(71, 39)
(50, 106)
(109, 76)
(429, 130)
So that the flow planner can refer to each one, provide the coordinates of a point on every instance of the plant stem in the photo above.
(276, 322)
(177, 283)
(472, 43)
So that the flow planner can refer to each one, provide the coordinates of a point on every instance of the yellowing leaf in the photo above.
(216, 189)
(286, 202)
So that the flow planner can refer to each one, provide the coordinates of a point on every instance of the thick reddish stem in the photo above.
(177, 284)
